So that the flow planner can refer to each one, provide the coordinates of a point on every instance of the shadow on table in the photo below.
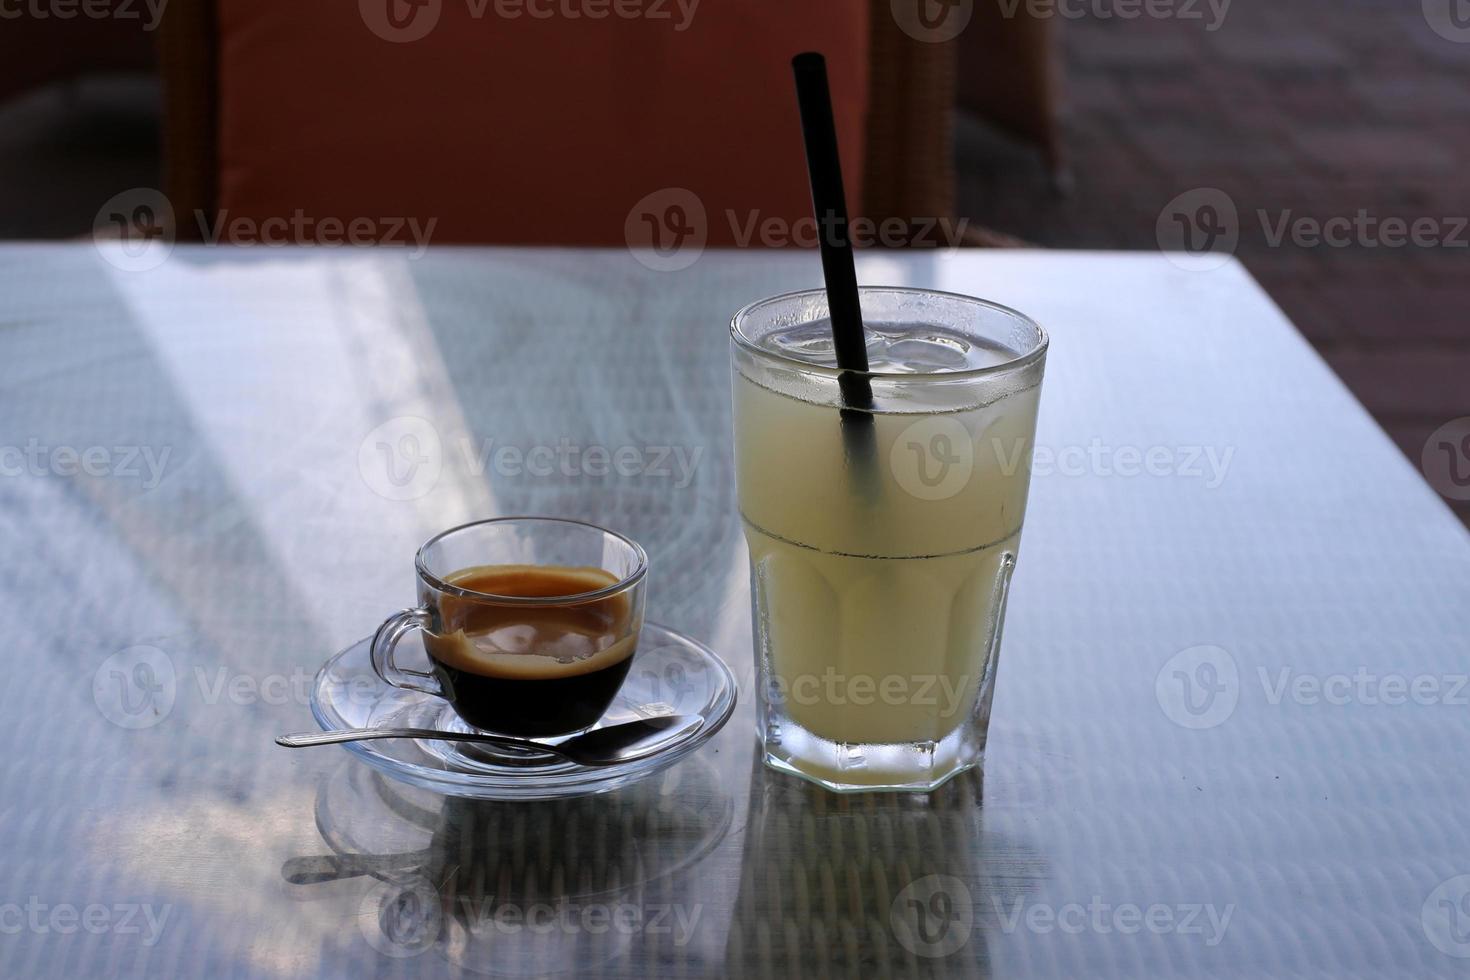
(873, 884)
(523, 888)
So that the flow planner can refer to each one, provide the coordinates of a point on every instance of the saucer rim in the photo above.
(574, 782)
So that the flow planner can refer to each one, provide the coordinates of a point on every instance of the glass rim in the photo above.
(1034, 354)
(623, 584)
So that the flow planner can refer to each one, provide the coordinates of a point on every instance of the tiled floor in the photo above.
(1296, 109)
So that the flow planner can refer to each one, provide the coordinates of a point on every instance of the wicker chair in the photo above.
(909, 158)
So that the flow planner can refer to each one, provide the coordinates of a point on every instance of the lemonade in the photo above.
(881, 551)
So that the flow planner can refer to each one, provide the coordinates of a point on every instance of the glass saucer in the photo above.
(671, 674)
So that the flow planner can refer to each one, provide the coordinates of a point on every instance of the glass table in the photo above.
(1230, 724)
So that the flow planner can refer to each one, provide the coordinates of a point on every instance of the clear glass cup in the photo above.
(529, 662)
(882, 540)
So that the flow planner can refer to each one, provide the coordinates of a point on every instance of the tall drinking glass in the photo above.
(882, 541)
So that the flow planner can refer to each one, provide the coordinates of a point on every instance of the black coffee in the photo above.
(532, 670)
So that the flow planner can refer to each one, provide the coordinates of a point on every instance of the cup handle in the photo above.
(385, 641)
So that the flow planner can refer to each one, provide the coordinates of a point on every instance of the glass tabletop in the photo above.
(1229, 728)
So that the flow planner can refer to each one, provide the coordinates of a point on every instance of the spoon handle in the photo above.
(305, 739)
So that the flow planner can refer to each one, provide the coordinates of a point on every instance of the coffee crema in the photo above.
(544, 669)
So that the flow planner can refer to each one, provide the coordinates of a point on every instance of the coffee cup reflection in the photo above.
(525, 888)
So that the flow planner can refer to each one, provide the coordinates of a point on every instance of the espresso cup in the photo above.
(530, 624)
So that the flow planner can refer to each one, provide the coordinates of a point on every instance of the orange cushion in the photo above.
(523, 129)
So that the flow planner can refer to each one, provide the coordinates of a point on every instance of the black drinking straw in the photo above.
(829, 203)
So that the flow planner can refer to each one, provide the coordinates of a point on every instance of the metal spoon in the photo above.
(600, 747)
